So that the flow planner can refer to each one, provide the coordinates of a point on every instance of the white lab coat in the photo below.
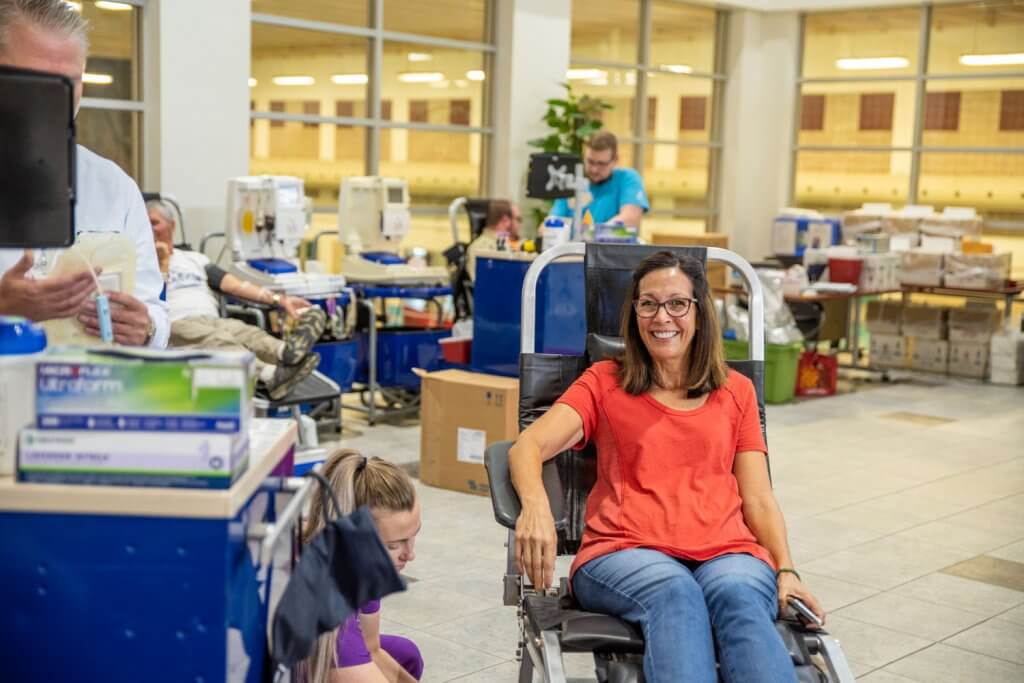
(109, 200)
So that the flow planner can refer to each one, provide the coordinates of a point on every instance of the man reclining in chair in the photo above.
(195, 322)
(683, 536)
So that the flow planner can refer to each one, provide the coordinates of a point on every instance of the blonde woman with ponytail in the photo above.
(357, 652)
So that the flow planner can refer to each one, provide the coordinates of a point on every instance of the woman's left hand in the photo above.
(792, 587)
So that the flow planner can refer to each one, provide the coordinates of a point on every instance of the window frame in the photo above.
(639, 138)
(921, 78)
(375, 122)
(137, 107)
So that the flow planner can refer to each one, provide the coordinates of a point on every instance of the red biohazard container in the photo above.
(456, 350)
(845, 270)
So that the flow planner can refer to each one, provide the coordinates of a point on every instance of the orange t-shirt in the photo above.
(664, 476)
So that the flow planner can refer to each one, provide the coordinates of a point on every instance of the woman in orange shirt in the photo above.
(683, 534)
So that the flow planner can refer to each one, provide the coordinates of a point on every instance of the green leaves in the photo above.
(571, 120)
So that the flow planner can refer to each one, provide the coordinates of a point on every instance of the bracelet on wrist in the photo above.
(787, 570)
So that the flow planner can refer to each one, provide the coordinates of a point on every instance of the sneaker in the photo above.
(286, 377)
(300, 341)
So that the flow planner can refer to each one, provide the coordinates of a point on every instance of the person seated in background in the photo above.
(683, 536)
(503, 223)
(616, 194)
(194, 314)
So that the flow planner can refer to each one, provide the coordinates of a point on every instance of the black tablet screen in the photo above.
(37, 147)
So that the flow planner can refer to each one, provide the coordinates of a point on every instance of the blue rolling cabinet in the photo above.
(497, 306)
(133, 583)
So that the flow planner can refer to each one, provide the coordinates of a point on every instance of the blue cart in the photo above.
(104, 583)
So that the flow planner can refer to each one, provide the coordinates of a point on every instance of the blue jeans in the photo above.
(730, 601)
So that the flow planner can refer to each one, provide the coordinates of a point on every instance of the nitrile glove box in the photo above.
(148, 391)
(190, 460)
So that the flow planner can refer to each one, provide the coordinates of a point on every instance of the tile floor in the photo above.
(910, 529)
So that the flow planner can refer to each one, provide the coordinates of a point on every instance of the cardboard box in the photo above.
(977, 271)
(968, 360)
(884, 317)
(462, 413)
(879, 273)
(925, 322)
(873, 243)
(888, 351)
(718, 273)
(1006, 359)
(974, 324)
(153, 391)
(102, 458)
(930, 355)
(919, 267)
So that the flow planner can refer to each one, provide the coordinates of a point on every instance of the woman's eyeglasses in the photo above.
(677, 308)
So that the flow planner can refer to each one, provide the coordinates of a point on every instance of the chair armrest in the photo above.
(504, 498)
(253, 313)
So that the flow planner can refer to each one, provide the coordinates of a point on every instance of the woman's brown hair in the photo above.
(706, 370)
(357, 481)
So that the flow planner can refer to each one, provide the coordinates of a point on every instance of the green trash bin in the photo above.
(780, 365)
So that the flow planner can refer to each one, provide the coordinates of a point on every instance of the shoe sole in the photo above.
(302, 371)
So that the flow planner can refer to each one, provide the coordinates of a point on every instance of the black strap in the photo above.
(326, 485)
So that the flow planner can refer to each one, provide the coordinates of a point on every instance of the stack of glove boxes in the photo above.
(165, 419)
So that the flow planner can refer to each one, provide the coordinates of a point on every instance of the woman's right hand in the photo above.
(536, 543)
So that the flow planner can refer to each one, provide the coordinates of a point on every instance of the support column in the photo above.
(197, 132)
(532, 57)
(761, 66)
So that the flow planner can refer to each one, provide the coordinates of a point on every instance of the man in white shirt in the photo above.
(48, 35)
(195, 316)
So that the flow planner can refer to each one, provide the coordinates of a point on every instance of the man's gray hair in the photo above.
(163, 208)
(51, 15)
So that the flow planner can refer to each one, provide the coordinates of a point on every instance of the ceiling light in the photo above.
(476, 75)
(97, 79)
(460, 83)
(350, 79)
(113, 6)
(1006, 59)
(585, 74)
(293, 80)
(678, 68)
(859, 63)
(420, 56)
(252, 82)
(421, 77)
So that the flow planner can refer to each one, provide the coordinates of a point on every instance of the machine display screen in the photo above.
(288, 194)
(395, 195)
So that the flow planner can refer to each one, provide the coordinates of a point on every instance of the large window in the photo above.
(659, 63)
(337, 91)
(914, 105)
(110, 119)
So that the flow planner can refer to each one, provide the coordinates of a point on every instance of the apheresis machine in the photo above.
(373, 217)
(266, 221)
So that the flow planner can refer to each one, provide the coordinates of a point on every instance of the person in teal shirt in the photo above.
(616, 194)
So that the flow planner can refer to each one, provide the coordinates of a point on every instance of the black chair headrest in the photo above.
(601, 347)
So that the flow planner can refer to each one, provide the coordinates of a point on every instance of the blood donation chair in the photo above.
(550, 622)
(456, 255)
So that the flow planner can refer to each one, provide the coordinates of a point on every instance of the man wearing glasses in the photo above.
(501, 232)
(616, 194)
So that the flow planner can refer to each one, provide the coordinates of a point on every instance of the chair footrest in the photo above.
(582, 631)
